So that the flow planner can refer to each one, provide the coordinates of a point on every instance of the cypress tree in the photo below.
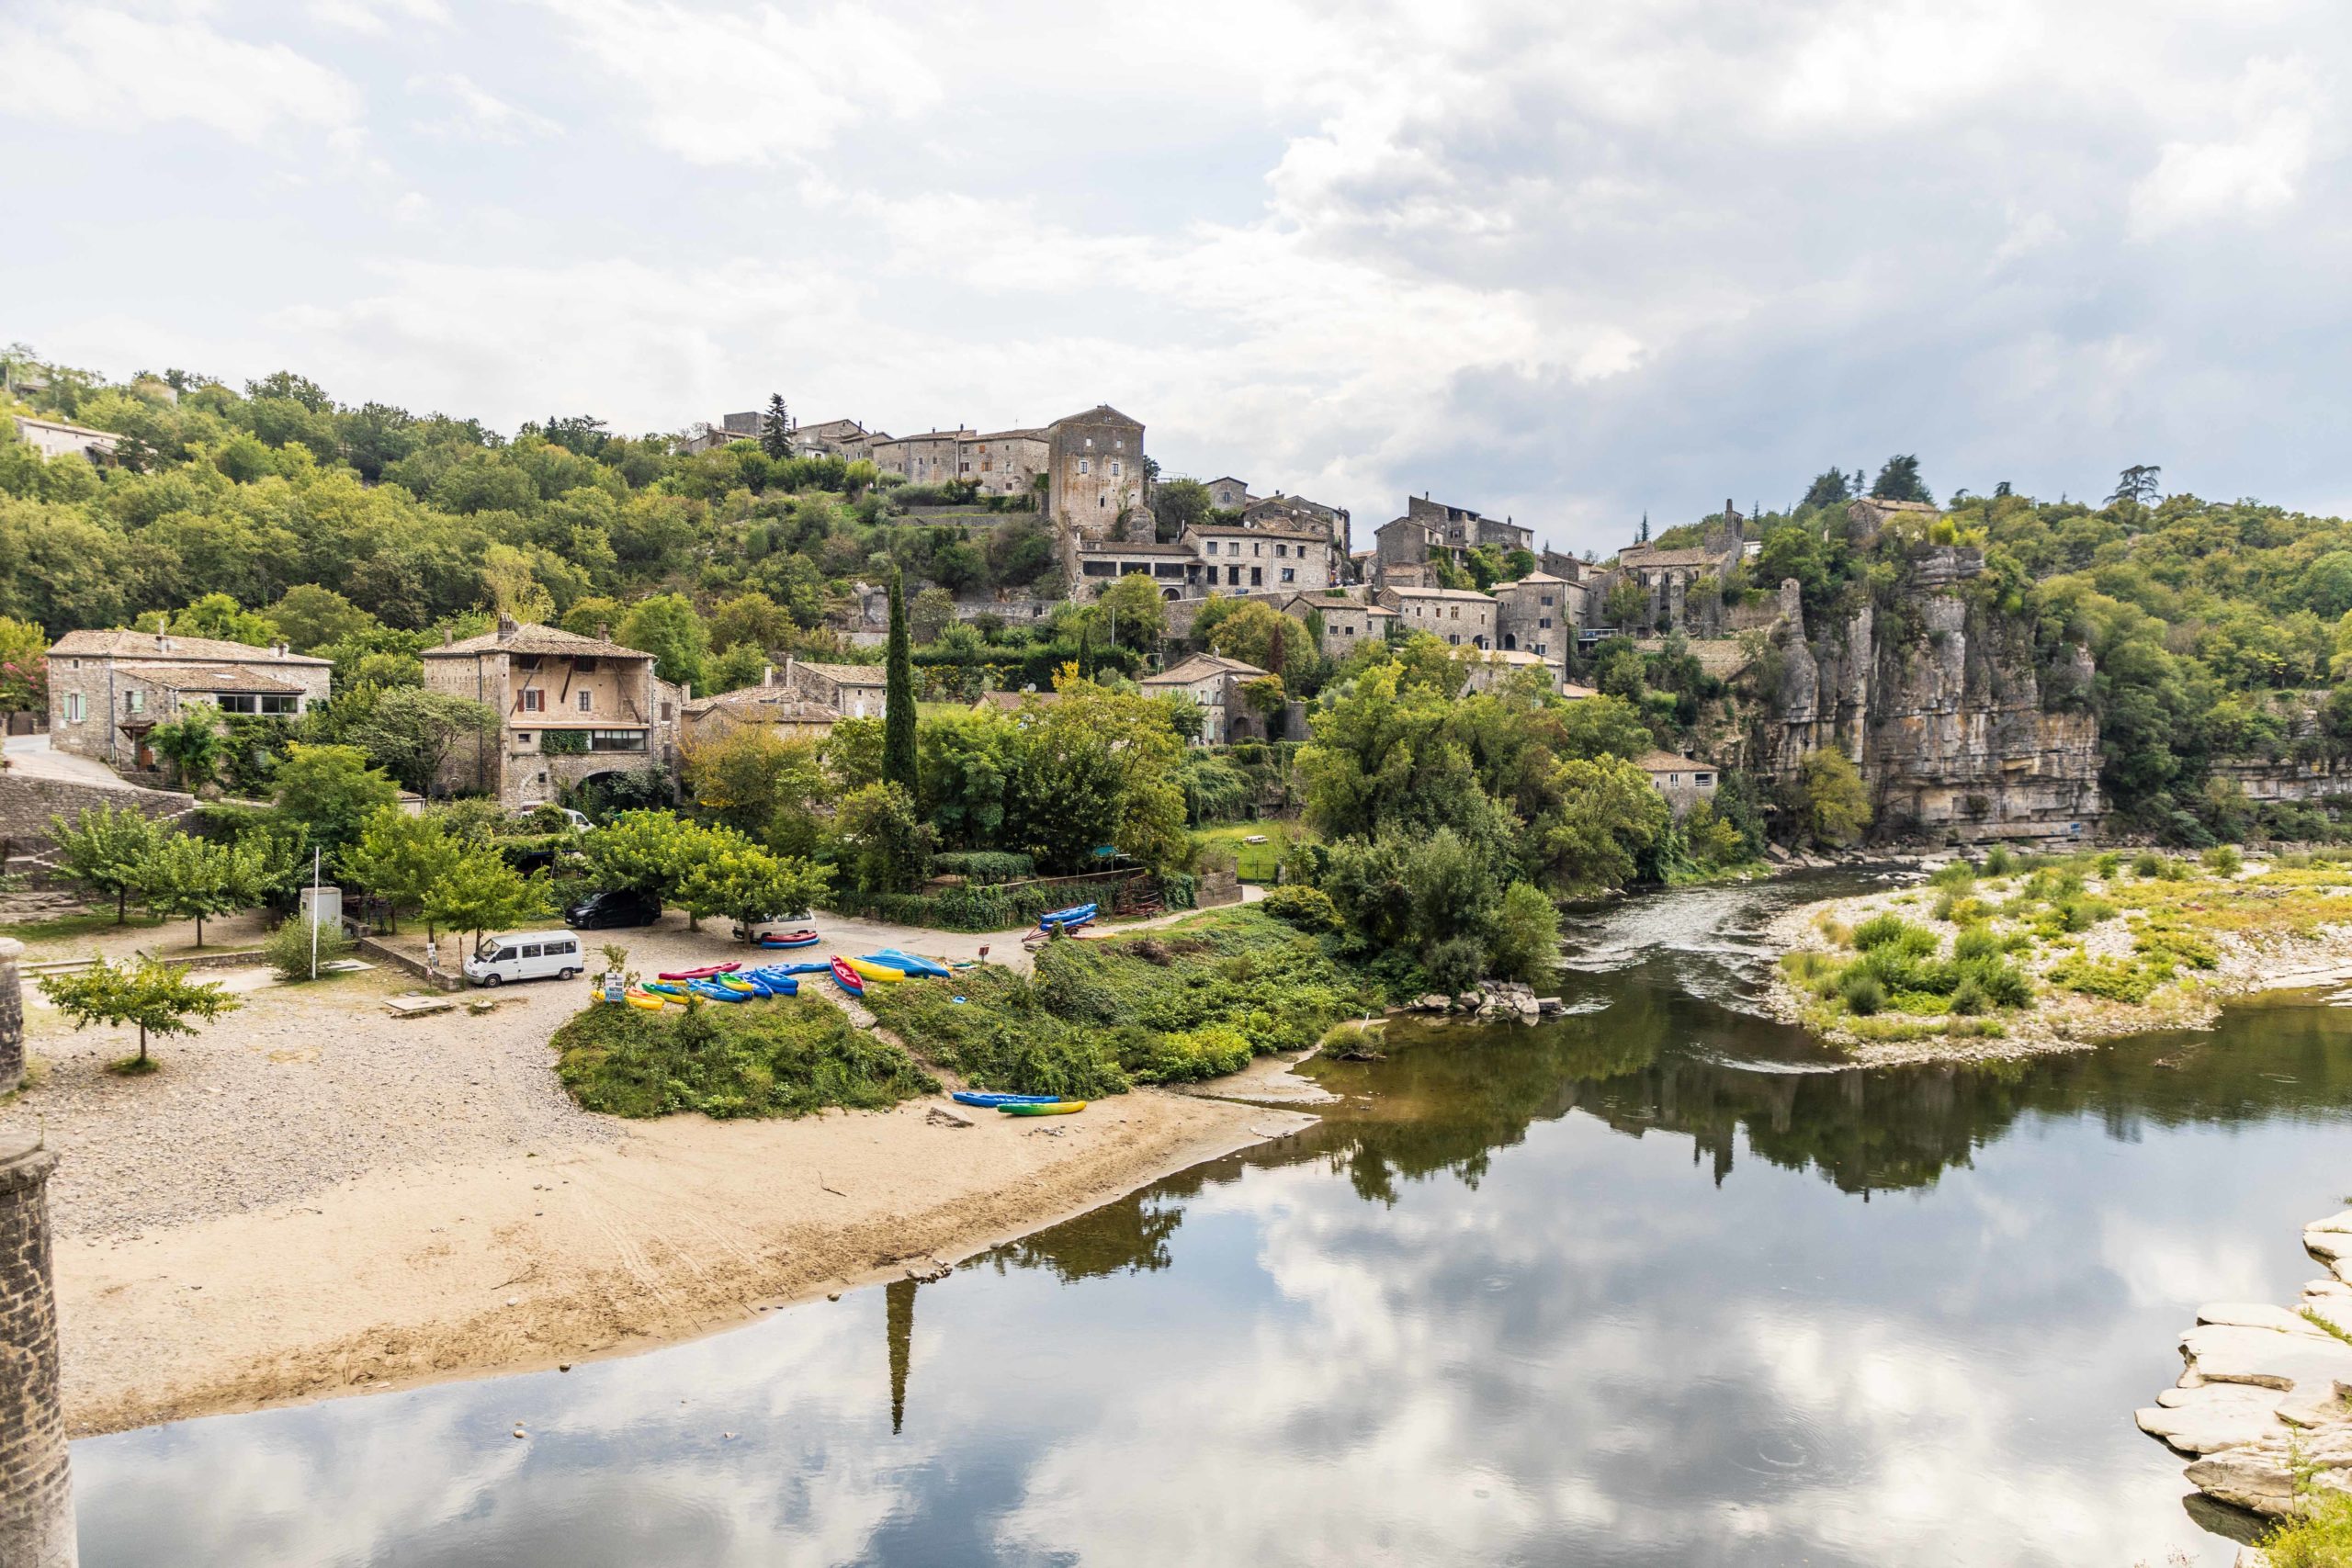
(899, 695)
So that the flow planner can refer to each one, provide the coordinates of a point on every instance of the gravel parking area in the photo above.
(303, 1088)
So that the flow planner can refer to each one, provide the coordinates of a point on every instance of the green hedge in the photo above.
(1180, 890)
(785, 1056)
(984, 865)
(968, 909)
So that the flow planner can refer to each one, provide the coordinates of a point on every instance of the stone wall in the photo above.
(36, 1487)
(28, 800)
(2263, 779)
(12, 1016)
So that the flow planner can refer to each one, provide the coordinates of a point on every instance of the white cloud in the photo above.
(113, 70)
(477, 113)
(2254, 167)
(376, 18)
(752, 86)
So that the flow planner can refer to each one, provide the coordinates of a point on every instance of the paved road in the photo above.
(31, 755)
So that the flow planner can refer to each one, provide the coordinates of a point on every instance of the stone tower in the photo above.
(36, 1490)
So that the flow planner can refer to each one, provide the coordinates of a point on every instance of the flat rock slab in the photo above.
(2337, 1222)
(2252, 1314)
(2311, 1367)
(417, 1007)
(2261, 1475)
(2211, 1416)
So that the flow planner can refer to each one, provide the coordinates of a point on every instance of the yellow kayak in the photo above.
(868, 969)
(1054, 1108)
(732, 984)
(645, 999)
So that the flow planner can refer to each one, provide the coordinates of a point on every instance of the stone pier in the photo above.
(12, 1017)
(36, 1490)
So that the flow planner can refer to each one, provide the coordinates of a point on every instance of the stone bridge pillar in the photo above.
(12, 1017)
(36, 1490)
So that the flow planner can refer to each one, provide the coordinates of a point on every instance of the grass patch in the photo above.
(1192, 1002)
(782, 1058)
(134, 1067)
(1253, 862)
(2323, 1324)
(62, 928)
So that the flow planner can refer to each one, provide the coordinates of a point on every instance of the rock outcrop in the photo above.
(2264, 1400)
(1938, 705)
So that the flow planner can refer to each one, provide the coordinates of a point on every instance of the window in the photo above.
(534, 700)
(1290, 574)
(256, 701)
(1233, 577)
(617, 740)
(1117, 468)
(1282, 550)
(134, 701)
(532, 949)
(1453, 638)
(1547, 601)
(73, 712)
(1542, 649)
(1703, 778)
(587, 702)
(1256, 548)
(1543, 623)
(1456, 615)
(1083, 464)
(1119, 445)
(522, 738)
(666, 714)
(1257, 576)
(1209, 549)
(584, 666)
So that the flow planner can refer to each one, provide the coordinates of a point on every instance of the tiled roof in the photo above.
(1667, 762)
(1139, 547)
(171, 645)
(1199, 668)
(532, 638)
(1259, 531)
(847, 674)
(205, 677)
(1439, 594)
(1643, 555)
(771, 704)
(1011, 701)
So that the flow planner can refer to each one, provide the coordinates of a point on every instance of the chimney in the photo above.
(163, 643)
(282, 649)
(449, 636)
(507, 626)
(603, 631)
(767, 675)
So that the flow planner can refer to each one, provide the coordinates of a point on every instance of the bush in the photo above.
(2147, 862)
(1894, 932)
(2001, 860)
(2320, 1535)
(1976, 945)
(288, 949)
(1455, 964)
(983, 865)
(1308, 909)
(2223, 859)
(1861, 992)
(1958, 876)
(782, 1058)
(1969, 998)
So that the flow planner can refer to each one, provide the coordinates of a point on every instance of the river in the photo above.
(1656, 1283)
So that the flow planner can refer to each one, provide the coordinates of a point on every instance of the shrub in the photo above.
(288, 949)
(1958, 876)
(1968, 997)
(1878, 931)
(2319, 1536)
(2147, 862)
(1308, 909)
(1456, 963)
(983, 865)
(2001, 860)
(2223, 859)
(785, 1057)
(2107, 864)
(1861, 992)
(1976, 945)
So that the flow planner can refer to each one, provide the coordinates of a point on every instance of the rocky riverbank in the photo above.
(2264, 1399)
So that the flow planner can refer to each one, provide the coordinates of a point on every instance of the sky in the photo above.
(1567, 263)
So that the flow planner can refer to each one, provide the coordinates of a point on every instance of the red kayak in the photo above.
(705, 973)
(788, 939)
(847, 978)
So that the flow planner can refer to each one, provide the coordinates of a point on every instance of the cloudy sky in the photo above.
(1566, 262)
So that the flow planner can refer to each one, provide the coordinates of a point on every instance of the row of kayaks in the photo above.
(1019, 1104)
(730, 984)
(886, 967)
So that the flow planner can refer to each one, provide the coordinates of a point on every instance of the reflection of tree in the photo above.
(899, 1329)
(1130, 1236)
(1447, 1096)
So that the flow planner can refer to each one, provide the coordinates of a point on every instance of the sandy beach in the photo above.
(315, 1198)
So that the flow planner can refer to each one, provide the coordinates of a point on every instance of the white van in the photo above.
(525, 955)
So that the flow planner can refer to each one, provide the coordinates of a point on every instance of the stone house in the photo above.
(1273, 554)
(1094, 479)
(730, 428)
(1173, 569)
(934, 457)
(1682, 780)
(1215, 682)
(1229, 494)
(1674, 580)
(1456, 616)
(850, 690)
(1332, 522)
(1501, 664)
(770, 705)
(1433, 527)
(837, 438)
(55, 438)
(108, 689)
(1539, 614)
(1006, 462)
(1347, 621)
(569, 707)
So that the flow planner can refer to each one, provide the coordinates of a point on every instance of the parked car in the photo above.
(577, 822)
(619, 906)
(524, 955)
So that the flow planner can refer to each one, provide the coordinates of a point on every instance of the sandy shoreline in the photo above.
(678, 1228)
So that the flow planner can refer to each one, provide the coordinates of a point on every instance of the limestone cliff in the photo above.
(1942, 714)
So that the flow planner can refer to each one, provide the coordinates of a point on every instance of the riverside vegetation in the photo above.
(2075, 947)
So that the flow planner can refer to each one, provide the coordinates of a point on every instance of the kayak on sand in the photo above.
(989, 1102)
(1050, 1107)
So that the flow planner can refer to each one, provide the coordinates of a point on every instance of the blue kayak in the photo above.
(711, 993)
(790, 969)
(910, 963)
(1077, 915)
(986, 1101)
(775, 985)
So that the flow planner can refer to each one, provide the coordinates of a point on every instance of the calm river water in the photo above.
(1653, 1284)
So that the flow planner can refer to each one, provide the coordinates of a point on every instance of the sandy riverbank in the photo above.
(315, 1198)
(2246, 961)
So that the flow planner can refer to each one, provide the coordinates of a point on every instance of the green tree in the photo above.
(740, 666)
(1606, 813)
(750, 886)
(1829, 488)
(1837, 807)
(750, 619)
(641, 851)
(481, 892)
(411, 733)
(103, 848)
(882, 840)
(329, 792)
(401, 857)
(1526, 943)
(899, 757)
(775, 428)
(1898, 479)
(1179, 505)
(193, 745)
(1133, 613)
(932, 612)
(310, 617)
(666, 626)
(182, 877)
(753, 776)
(1627, 604)
(1256, 632)
(157, 997)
